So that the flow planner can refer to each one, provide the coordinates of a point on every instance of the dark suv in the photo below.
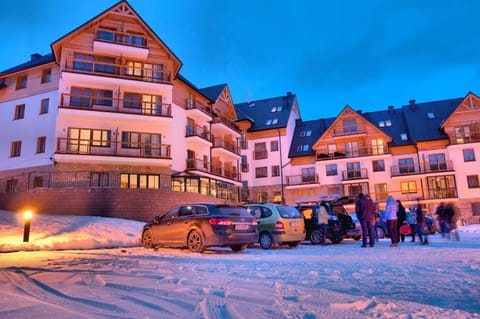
(198, 226)
(340, 223)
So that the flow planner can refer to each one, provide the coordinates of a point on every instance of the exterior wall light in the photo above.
(27, 217)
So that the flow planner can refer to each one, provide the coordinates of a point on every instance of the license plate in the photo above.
(294, 224)
(242, 226)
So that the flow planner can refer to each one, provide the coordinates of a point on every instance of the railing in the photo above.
(466, 137)
(112, 148)
(226, 122)
(350, 174)
(100, 103)
(302, 179)
(229, 146)
(324, 154)
(192, 104)
(261, 154)
(124, 71)
(196, 130)
(198, 164)
(428, 167)
(218, 169)
(349, 130)
(121, 38)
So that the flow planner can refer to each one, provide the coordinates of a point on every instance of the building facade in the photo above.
(107, 124)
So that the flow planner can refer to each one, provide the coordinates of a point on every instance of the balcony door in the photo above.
(79, 140)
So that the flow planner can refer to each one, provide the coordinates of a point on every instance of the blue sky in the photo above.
(367, 54)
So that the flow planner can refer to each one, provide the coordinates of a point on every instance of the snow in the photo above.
(93, 267)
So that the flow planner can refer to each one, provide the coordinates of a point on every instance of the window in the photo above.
(41, 144)
(149, 143)
(404, 136)
(476, 209)
(86, 97)
(261, 172)
(243, 141)
(144, 181)
(271, 121)
(437, 162)
(308, 175)
(46, 76)
(260, 151)
(149, 104)
(244, 164)
(408, 187)
(381, 124)
(276, 109)
(430, 115)
(11, 185)
(21, 82)
(306, 133)
(377, 146)
(406, 166)
(147, 71)
(19, 112)
(332, 148)
(303, 148)
(80, 139)
(38, 181)
(439, 187)
(99, 179)
(275, 170)
(331, 170)
(468, 155)
(274, 146)
(472, 181)
(352, 149)
(353, 170)
(349, 126)
(44, 106)
(388, 123)
(261, 197)
(463, 134)
(381, 191)
(15, 148)
(378, 166)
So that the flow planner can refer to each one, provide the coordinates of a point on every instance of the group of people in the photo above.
(395, 215)
(445, 216)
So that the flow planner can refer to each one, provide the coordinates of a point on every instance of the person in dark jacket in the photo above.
(364, 208)
(401, 217)
(440, 212)
(421, 223)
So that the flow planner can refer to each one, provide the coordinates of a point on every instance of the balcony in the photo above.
(352, 174)
(302, 179)
(198, 164)
(323, 154)
(428, 167)
(465, 137)
(105, 67)
(349, 130)
(442, 193)
(108, 104)
(200, 131)
(120, 43)
(217, 169)
(196, 106)
(232, 147)
(226, 122)
(112, 148)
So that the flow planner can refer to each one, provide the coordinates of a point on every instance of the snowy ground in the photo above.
(91, 267)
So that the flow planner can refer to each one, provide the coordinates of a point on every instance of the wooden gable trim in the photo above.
(470, 104)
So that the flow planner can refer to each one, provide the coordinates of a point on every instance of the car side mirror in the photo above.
(156, 219)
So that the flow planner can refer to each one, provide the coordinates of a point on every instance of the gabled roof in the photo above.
(260, 112)
(213, 92)
(36, 60)
(316, 129)
(190, 84)
(392, 123)
(470, 104)
(424, 120)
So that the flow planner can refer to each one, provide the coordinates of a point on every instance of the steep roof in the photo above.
(193, 86)
(424, 120)
(36, 60)
(213, 92)
(315, 129)
(391, 122)
(266, 114)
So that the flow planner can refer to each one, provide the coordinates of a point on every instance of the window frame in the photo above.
(44, 105)
(41, 143)
(19, 112)
(16, 149)
(468, 155)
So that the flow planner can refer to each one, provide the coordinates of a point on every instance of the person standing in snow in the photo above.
(391, 209)
(421, 224)
(440, 212)
(322, 216)
(365, 210)
(450, 220)
(412, 222)
(401, 217)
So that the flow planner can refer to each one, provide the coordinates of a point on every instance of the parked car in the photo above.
(382, 230)
(340, 223)
(278, 224)
(198, 226)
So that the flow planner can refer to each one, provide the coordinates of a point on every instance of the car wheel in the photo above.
(266, 240)
(147, 239)
(316, 237)
(195, 242)
(380, 232)
(238, 248)
(357, 238)
(293, 244)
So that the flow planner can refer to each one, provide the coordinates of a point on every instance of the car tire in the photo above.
(316, 237)
(336, 240)
(380, 232)
(195, 242)
(265, 240)
(147, 239)
(238, 248)
(293, 244)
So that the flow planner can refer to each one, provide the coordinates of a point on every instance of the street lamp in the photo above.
(27, 217)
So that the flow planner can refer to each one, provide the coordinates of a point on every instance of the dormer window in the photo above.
(305, 133)
(430, 115)
(404, 136)
(276, 109)
(251, 104)
(303, 148)
(388, 123)
(381, 124)
(271, 122)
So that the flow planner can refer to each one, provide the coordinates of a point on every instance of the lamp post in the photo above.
(27, 217)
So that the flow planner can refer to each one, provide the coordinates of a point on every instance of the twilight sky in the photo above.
(367, 54)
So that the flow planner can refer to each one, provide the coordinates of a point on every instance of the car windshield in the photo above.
(288, 212)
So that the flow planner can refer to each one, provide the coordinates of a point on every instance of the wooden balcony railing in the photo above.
(121, 38)
(192, 104)
(229, 146)
(302, 179)
(147, 73)
(112, 148)
(260, 154)
(323, 154)
(466, 137)
(349, 130)
(218, 169)
(228, 123)
(428, 167)
(196, 130)
(360, 173)
(99, 103)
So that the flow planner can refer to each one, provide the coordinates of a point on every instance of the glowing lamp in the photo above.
(27, 217)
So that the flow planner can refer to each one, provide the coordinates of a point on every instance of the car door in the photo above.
(164, 229)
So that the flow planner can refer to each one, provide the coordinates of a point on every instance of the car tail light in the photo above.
(254, 222)
(279, 226)
(220, 221)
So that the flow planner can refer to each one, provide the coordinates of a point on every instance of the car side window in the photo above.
(170, 214)
(266, 212)
(200, 210)
(255, 211)
(186, 210)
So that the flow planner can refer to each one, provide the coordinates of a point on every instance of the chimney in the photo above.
(35, 56)
(390, 109)
(289, 93)
(412, 104)
(359, 111)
